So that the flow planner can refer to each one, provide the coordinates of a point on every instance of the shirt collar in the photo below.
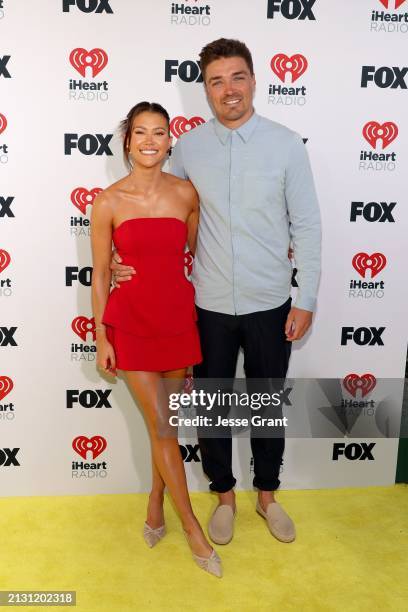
(245, 130)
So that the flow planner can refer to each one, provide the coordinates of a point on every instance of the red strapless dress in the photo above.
(151, 319)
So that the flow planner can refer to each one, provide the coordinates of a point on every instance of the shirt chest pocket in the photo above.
(261, 189)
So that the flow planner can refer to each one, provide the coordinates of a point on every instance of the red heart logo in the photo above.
(82, 326)
(387, 132)
(188, 261)
(188, 384)
(363, 262)
(353, 382)
(296, 65)
(3, 123)
(4, 259)
(180, 125)
(81, 197)
(6, 385)
(81, 58)
(82, 445)
(386, 3)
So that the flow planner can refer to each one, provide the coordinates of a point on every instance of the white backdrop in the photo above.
(44, 237)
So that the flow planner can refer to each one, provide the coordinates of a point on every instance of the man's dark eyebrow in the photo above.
(214, 78)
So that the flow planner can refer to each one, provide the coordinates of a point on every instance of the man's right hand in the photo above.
(120, 272)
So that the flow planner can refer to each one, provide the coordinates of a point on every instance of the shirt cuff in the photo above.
(305, 303)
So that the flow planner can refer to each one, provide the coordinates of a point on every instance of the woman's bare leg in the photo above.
(151, 394)
(155, 516)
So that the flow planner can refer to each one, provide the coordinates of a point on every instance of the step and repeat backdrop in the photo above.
(334, 71)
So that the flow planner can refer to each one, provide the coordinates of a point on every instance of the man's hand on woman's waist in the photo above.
(120, 272)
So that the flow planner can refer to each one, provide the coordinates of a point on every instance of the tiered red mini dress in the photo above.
(151, 319)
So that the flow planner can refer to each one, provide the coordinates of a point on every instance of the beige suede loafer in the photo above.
(221, 525)
(280, 524)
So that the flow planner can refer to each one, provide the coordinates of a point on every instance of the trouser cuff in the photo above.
(223, 485)
(266, 485)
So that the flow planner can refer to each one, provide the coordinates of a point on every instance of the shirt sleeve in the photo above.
(305, 226)
(176, 162)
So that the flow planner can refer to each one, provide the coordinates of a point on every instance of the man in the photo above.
(256, 194)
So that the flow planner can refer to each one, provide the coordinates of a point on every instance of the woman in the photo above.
(147, 328)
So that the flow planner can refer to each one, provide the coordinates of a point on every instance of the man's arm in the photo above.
(305, 230)
(176, 161)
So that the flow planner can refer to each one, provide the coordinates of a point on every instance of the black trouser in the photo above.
(266, 355)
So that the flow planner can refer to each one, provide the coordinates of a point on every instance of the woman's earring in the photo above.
(170, 151)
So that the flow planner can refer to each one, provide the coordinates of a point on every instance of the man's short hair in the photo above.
(225, 47)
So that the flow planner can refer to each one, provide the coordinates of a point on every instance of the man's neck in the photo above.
(234, 125)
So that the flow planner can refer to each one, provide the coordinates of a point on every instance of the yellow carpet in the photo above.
(350, 554)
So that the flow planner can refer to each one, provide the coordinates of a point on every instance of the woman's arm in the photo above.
(101, 240)
(193, 219)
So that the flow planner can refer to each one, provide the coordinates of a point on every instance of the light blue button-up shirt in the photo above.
(256, 195)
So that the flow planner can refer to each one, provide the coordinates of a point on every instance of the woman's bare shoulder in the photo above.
(108, 198)
(185, 188)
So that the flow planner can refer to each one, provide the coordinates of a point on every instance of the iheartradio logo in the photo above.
(363, 262)
(373, 131)
(364, 383)
(282, 65)
(4, 260)
(6, 385)
(96, 59)
(81, 197)
(180, 125)
(3, 123)
(83, 326)
(83, 445)
(389, 3)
